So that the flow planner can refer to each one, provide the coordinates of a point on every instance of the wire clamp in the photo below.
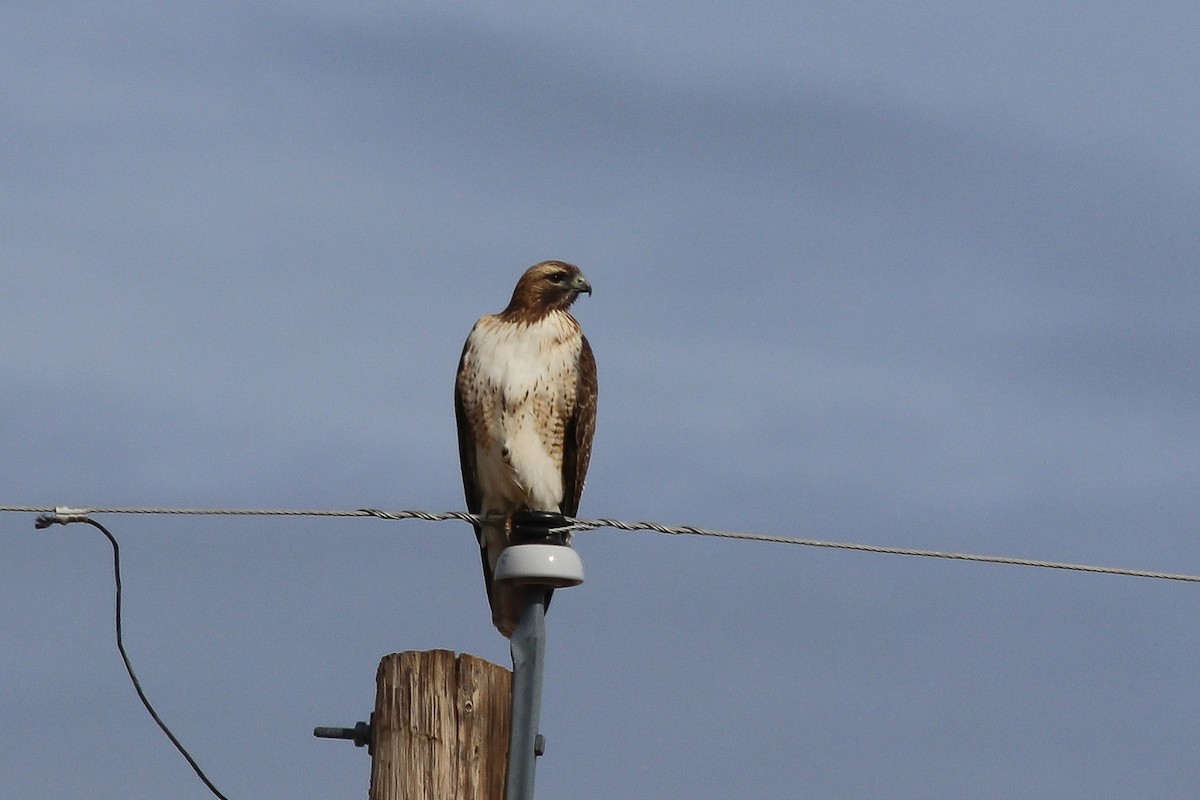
(62, 515)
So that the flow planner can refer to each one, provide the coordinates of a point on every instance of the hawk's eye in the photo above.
(558, 277)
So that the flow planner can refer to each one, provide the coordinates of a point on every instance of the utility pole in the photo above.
(457, 727)
(440, 727)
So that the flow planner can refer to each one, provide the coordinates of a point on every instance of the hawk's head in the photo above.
(545, 287)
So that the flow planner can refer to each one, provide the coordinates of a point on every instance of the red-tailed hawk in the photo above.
(525, 399)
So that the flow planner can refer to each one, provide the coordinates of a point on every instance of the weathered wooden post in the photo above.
(440, 728)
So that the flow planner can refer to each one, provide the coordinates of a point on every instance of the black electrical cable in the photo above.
(129, 667)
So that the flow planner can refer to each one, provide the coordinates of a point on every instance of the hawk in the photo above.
(525, 401)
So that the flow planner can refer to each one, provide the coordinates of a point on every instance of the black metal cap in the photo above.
(538, 527)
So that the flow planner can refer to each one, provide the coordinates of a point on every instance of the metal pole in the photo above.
(528, 561)
(528, 655)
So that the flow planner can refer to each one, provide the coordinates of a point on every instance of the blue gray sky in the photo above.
(918, 274)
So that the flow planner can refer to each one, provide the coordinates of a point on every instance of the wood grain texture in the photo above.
(440, 728)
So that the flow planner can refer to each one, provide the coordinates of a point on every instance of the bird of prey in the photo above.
(525, 401)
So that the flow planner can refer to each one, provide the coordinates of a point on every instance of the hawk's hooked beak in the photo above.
(580, 285)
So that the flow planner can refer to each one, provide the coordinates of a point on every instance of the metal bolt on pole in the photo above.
(360, 734)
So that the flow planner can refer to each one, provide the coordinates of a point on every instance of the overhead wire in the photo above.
(64, 515)
(577, 525)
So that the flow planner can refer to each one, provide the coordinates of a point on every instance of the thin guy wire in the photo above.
(592, 524)
(137, 684)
